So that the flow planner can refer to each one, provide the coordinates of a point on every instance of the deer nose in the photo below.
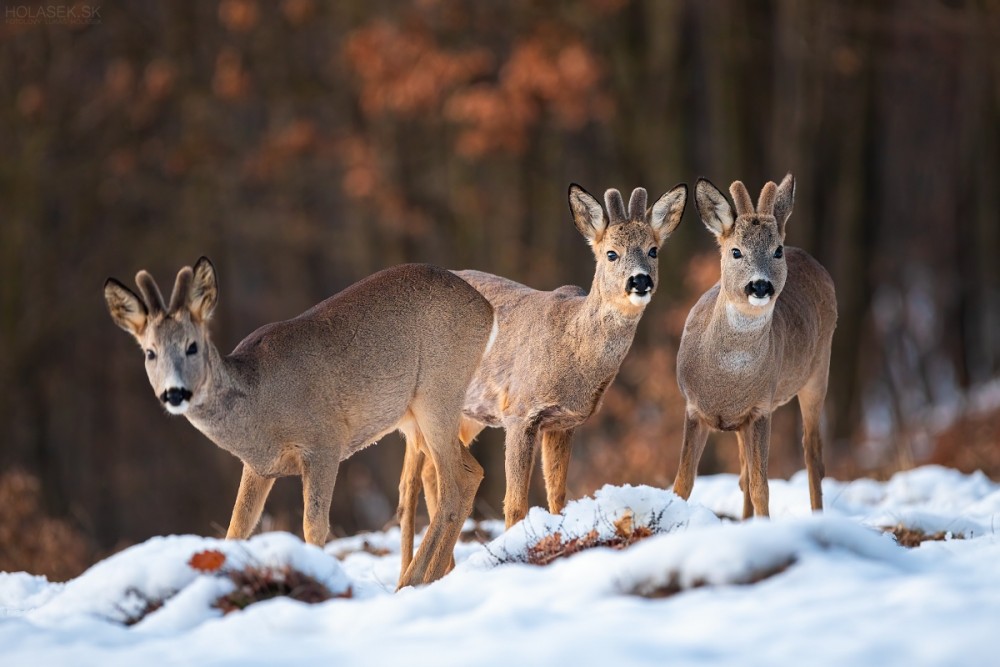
(759, 288)
(639, 283)
(175, 396)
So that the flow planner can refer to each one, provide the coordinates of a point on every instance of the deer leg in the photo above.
(811, 400)
(318, 477)
(695, 437)
(744, 483)
(519, 458)
(409, 492)
(756, 435)
(556, 449)
(458, 477)
(249, 504)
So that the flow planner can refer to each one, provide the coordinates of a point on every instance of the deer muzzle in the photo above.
(175, 396)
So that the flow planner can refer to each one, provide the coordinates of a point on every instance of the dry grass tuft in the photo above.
(914, 537)
(673, 585)
(554, 545)
(256, 584)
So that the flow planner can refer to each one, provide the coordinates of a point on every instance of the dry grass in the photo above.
(914, 537)
(553, 546)
(33, 541)
(256, 584)
(673, 585)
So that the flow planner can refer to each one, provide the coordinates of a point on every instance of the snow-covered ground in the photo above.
(798, 589)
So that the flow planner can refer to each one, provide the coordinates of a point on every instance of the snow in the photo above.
(820, 589)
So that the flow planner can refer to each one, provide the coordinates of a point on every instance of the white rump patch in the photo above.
(759, 301)
(638, 300)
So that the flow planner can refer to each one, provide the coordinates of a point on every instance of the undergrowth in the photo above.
(623, 533)
(914, 537)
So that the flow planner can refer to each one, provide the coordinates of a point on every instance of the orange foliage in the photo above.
(404, 71)
(32, 541)
(209, 560)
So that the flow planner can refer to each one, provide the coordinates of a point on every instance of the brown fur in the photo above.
(738, 361)
(556, 352)
(298, 397)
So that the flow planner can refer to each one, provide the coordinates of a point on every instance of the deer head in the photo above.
(174, 338)
(751, 241)
(626, 243)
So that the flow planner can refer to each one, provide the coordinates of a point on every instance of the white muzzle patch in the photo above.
(638, 300)
(759, 301)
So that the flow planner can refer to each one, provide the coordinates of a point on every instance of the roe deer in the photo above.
(757, 338)
(394, 351)
(556, 352)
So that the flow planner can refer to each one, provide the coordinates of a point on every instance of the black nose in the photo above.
(640, 284)
(759, 288)
(175, 396)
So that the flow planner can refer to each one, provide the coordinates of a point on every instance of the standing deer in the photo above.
(556, 352)
(757, 338)
(300, 396)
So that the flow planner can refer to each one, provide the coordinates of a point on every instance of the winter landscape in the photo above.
(833, 589)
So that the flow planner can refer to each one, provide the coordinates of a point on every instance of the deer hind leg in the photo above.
(695, 437)
(409, 492)
(254, 490)
(744, 482)
(811, 400)
(319, 474)
(520, 446)
(556, 449)
(458, 475)
(756, 440)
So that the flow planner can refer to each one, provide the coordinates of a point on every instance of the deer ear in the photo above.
(127, 310)
(204, 290)
(587, 214)
(713, 207)
(783, 202)
(666, 213)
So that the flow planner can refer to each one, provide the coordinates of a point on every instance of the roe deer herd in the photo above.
(470, 350)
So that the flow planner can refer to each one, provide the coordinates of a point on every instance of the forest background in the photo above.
(303, 145)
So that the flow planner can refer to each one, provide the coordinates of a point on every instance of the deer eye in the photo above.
(652, 252)
(779, 253)
(612, 256)
(192, 349)
(150, 355)
(737, 254)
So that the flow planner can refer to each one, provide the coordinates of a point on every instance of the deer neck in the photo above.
(603, 329)
(736, 327)
(221, 402)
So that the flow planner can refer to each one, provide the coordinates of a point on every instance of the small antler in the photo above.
(637, 204)
(182, 290)
(765, 203)
(150, 292)
(615, 205)
(741, 198)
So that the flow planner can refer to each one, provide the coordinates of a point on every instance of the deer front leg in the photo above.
(756, 438)
(744, 484)
(556, 449)
(319, 474)
(519, 458)
(695, 437)
(249, 504)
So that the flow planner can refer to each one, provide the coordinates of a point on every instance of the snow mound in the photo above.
(153, 585)
(642, 506)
